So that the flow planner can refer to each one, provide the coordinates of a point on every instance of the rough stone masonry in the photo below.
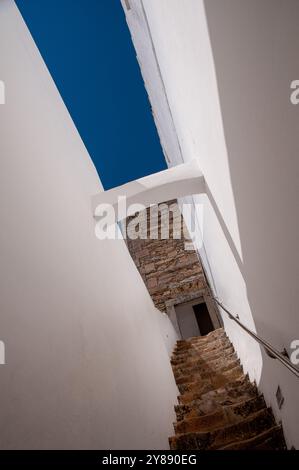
(169, 271)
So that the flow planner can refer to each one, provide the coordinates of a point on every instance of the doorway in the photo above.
(195, 318)
(203, 318)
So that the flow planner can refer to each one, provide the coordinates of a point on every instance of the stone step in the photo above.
(215, 354)
(209, 402)
(220, 417)
(210, 336)
(198, 368)
(195, 338)
(216, 348)
(182, 345)
(183, 375)
(207, 358)
(271, 439)
(200, 340)
(249, 427)
(213, 361)
(216, 379)
(219, 371)
(202, 349)
(202, 374)
(188, 397)
(217, 344)
(209, 386)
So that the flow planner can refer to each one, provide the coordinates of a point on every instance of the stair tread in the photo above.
(184, 399)
(211, 382)
(227, 395)
(221, 415)
(205, 371)
(258, 441)
(201, 348)
(223, 377)
(203, 356)
(227, 434)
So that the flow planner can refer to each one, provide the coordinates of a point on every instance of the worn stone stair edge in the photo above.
(224, 352)
(205, 371)
(231, 384)
(256, 442)
(227, 434)
(221, 416)
(202, 347)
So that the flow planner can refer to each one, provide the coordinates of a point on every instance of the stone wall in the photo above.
(170, 271)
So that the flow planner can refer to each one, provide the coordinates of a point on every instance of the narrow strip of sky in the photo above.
(87, 48)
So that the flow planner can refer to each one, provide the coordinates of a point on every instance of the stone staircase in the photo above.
(219, 408)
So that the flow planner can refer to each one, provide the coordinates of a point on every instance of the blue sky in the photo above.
(87, 48)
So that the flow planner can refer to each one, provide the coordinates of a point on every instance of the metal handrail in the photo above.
(268, 347)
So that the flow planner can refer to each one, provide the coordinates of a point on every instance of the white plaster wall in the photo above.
(226, 67)
(86, 363)
(169, 334)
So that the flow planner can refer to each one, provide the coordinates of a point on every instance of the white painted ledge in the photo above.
(179, 181)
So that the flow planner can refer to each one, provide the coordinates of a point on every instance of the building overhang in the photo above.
(182, 180)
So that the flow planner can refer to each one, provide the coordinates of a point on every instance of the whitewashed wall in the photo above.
(226, 68)
(86, 362)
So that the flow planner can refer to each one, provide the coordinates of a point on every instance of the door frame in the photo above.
(200, 298)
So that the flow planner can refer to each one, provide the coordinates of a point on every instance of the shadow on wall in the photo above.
(255, 66)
